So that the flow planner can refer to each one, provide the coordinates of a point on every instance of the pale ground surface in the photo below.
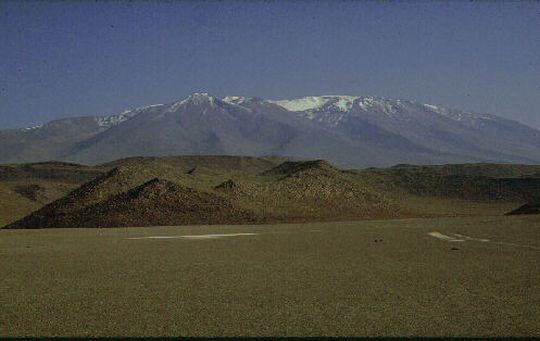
(370, 278)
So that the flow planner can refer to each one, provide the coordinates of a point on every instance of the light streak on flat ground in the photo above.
(197, 236)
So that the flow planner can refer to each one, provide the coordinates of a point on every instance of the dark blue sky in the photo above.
(74, 58)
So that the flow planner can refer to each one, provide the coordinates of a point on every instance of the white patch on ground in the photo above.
(444, 237)
(155, 237)
(207, 236)
(471, 238)
(197, 236)
(464, 238)
(518, 245)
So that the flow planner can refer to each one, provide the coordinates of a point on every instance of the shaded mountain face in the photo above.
(346, 130)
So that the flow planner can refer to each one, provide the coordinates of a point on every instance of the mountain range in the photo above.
(349, 131)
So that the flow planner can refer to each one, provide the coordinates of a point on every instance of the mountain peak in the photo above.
(200, 98)
(196, 98)
(200, 94)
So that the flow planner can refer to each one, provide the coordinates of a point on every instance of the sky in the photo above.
(79, 58)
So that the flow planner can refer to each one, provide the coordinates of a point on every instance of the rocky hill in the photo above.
(530, 208)
(156, 202)
(238, 190)
(155, 193)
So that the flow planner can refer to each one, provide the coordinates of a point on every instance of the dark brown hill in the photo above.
(27, 187)
(53, 170)
(228, 189)
(33, 192)
(156, 202)
(131, 195)
(221, 163)
(227, 185)
(313, 190)
(113, 182)
(530, 208)
(491, 170)
(288, 168)
(490, 182)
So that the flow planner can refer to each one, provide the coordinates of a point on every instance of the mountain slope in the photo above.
(350, 131)
(464, 134)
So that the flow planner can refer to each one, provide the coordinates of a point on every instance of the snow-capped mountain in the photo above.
(482, 136)
(333, 110)
(351, 131)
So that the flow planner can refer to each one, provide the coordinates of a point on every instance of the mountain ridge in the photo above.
(350, 131)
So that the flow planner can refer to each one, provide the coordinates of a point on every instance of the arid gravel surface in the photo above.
(369, 278)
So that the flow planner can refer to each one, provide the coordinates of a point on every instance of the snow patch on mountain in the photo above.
(342, 103)
(469, 118)
(31, 128)
(303, 104)
(386, 106)
(339, 103)
(114, 120)
(110, 121)
(436, 109)
(235, 99)
(149, 106)
(345, 103)
(332, 110)
(197, 98)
